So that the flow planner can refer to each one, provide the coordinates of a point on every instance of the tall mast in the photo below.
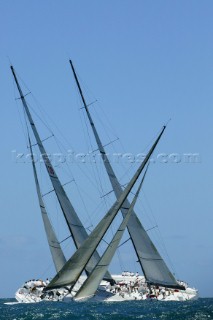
(153, 266)
(74, 224)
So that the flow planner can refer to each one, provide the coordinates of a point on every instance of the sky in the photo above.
(146, 62)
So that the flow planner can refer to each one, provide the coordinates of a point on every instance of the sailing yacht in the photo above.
(156, 272)
(68, 281)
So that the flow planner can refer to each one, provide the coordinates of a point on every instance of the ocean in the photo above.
(202, 309)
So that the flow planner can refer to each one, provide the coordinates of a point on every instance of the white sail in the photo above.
(73, 268)
(92, 282)
(58, 257)
(153, 266)
(74, 224)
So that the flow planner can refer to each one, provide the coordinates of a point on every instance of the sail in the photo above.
(73, 268)
(91, 284)
(74, 224)
(153, 266)
(58, 257)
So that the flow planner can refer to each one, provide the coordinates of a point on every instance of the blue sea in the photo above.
(202, 309)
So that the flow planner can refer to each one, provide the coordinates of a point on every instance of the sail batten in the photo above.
(141, 241)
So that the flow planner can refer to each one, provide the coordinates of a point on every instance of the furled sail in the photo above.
(58, 257)
(74, 224)
(73, 268)
(92, 282)
(153, 266)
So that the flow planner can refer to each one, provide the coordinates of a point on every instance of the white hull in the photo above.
(127, 288)
(139, 291)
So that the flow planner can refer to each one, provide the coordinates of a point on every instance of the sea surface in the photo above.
(202, 309)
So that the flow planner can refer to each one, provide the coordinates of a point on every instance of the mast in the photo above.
(74, 224)
(58, 257)
(73, 268)
(153, 266)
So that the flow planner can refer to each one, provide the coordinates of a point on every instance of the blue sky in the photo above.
(145, 62)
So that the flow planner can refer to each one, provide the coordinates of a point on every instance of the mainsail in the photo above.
(58, 257)
(74, 224)
(73, 268)
(152, 264)
(92, 282)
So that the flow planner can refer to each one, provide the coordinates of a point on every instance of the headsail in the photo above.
(153, 266)
(74, 224)
(92, 282)
(73, 268)
(54, 245)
